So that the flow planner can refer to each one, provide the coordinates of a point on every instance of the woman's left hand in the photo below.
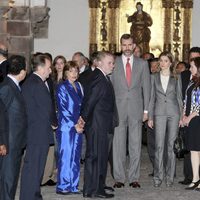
(186, 121)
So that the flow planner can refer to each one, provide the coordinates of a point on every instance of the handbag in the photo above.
(179, 144)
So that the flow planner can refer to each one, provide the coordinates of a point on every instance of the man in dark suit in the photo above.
(185, 78)
(16, 124)
(3, 133)
(84, 79)
(40, 134)
(3, 62)
(98, 113)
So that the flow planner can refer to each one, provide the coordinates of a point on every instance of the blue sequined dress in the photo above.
(69, 141)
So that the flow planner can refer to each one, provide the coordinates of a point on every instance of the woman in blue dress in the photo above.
(69, 137)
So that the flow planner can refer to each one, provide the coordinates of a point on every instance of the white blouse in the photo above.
(164, 82)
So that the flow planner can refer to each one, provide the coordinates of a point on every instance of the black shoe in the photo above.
(49, 183)
(109, 188)
(193, 185)
(151, 174)
(77, 192)
(88, 195)
(63, 193)
(118, 185)
(82, 161)
(185, 182)
(135, 184)
(104, 195)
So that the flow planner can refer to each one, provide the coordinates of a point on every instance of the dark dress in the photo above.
(193, 130)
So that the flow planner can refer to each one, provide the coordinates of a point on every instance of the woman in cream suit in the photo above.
(164, 115)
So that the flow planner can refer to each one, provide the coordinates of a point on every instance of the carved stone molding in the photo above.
(113, 48)
(94, 4)
(40, 20)
(93, 47)
(19, 13)
(168, 3)
(167, 47)
(187, 4)
(113, 4)
(186, 48)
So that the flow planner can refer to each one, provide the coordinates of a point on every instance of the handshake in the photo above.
(80, 125)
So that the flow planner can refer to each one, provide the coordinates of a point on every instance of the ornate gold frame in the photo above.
(172, 27)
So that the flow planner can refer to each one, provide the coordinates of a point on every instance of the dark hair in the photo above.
(69, 65)
(194, 50)
(171, 58)
(139, 3)
(49, 55)
(16, 64)
(39, 59)
(196, 78)
(93, 56)
(126, 36)
(153, 60)
(187, 66)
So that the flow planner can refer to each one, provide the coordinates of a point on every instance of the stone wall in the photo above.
(19, 26)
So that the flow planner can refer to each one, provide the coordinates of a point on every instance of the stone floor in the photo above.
(146, 192)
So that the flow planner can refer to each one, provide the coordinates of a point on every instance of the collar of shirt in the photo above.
(38, 75)
(2, 61)
(124, 60)
(102, 71)
(82, 69)
(14, 80)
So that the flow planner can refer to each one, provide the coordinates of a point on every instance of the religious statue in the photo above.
(139, 29)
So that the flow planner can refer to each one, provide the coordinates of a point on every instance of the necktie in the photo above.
(128, 72)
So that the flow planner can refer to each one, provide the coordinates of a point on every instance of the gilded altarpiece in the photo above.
(171, 28)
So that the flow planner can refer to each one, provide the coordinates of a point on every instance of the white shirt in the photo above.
(14, 80)
(2, 61)
(102, 71)
(124, 60)
(82, 69)
(164, 82)
(38, 75)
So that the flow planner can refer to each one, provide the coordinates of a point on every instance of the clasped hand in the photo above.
(80, 125)
(3, 150)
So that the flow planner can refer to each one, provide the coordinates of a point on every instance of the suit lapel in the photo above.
(170, 83)
(159, 83)
(134, 71)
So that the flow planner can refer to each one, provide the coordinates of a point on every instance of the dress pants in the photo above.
(32, 172)
(50, 167)
(166, 129)
(134, 148)
(151, 144)
(9, 173)
(96, 161)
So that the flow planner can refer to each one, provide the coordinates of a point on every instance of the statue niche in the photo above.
(139, 29)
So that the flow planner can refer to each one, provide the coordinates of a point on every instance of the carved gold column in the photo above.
(187, 5)
(113, 5)
(168, 5)
(93, 5)
(177, 23)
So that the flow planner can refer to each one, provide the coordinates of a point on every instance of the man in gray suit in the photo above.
(131, 82)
